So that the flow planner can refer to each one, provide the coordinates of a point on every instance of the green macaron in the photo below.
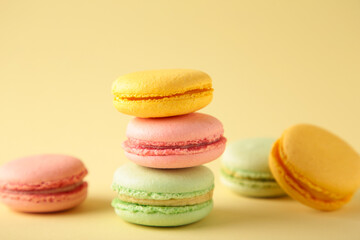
(162, 197)
(245, 168)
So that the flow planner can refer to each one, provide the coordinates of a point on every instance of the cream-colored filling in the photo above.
(171, 202)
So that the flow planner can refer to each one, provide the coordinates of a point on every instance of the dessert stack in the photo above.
(167, 142)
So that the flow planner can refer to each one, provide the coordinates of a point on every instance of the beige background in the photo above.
(273, 64)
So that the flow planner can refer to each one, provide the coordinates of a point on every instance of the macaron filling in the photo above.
(52, 184)
(163, 199)
(66, 189)
(190, 93)
(169, 202)
(300, 184)
(75, 194)
(149, 148)
(139, 194)
(256, 183)
(246, 175)
(149, 209)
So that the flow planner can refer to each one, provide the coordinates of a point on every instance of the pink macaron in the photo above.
(43, 183)
(174, 142)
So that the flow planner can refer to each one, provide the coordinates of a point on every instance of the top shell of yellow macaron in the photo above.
(162, 93)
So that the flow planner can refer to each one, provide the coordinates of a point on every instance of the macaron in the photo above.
(245, 168)
(174, 142)
(315, 167)
(43, 183)
(158, 197)
(162, 93)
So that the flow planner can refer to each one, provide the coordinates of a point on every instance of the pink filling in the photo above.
(56, 184)
(71, 188)
(148, 148)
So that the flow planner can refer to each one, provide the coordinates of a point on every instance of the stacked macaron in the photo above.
(167, 142)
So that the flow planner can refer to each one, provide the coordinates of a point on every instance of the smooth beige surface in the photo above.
(273, 64)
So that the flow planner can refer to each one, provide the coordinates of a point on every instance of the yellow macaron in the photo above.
(315, 167)
(162, 93)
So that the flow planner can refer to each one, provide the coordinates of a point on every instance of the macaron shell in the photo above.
(164, 220)
(320, 158)
(248, 155)
(183, 128)
(41, 172)
(137, 177)
(165, 107)
(154, 83)
(37, 203)
(177, 161)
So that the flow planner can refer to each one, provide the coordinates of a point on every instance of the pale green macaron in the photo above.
(162, 197)
(245, 168)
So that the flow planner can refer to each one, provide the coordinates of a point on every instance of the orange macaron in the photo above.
(315, 167)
